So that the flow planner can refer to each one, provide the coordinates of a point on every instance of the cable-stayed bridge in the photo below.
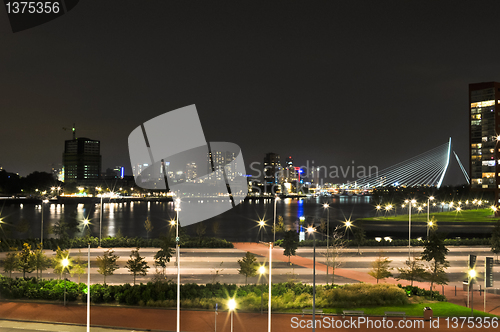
(426, 169)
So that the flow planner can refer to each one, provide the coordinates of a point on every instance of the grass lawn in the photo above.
(440, 309)
(480, 215)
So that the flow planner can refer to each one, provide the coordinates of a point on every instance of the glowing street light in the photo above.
(231, 304)
(312, 230)
(177, 208)
(409, 227)
(86, 222)
(262, 271)
(326, 206)
(472, 276)
(262, 225)
(276, 198)
(44, 201)
(64, 264)
(431, 198)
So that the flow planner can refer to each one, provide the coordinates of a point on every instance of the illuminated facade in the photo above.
(82, 160)
(484, 126)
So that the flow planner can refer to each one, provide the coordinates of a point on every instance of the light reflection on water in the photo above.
(237, 224)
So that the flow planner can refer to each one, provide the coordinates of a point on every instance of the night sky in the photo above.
(376, 82)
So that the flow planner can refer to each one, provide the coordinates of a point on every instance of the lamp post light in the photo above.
(431, 198)
(270, 276)
(262, 224)
(44, 201)
(65, 264)
(378, 207)
(177, 210)
(86, 223)
(311, 230)
(326, 206)
(472, 275)
(231, 305)
(276, 198)
(262, 271)
(409, 227)
(348, 225)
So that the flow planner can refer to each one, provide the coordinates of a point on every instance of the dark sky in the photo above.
(376, 82)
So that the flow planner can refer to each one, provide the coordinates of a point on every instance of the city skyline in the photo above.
(327, 87)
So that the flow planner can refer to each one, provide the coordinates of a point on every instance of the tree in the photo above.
(107, 263)
(56, 263)
(11, 262)
(148, 226)
(380, 267)
(290, 243)
(215, 228)
(25, 257)
(61, 229)
(79, 266)
(336, 246)
(359, 237)
(322, 228)
(414, 271)
(495, 240)
(435, 253)
(248, 266)
(162, 256)
(280, 226)
(136, 264)
(41, 261)
(201, 230)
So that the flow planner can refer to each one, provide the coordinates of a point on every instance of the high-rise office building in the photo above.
(82, 160)
(484, 130)
(272, 172)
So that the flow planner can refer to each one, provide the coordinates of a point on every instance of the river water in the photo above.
(237, 224)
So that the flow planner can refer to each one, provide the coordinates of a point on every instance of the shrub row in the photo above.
(113, 242)
(285, 295)
(414, 290)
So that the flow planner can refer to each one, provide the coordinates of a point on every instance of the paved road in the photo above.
(18, 326)
(201, 265)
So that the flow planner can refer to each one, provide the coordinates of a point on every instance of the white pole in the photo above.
(270, 273)
(100, 224)
(177, 208)
(88, 290)
(274, 231)
(41, 236)
(409, 232)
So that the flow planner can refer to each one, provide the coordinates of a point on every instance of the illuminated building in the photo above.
(218, 159)
(484, 127)
(82, 160)
(272, 172)
(191, 172)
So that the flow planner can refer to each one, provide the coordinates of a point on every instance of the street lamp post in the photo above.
(231, 305)
(312, 230)
(262, 223)
(429, 225)
(270, 276)
(472, 275)
(177, 210)
(428, 206)
(276, 198)
(326, 206)
(86, 223)
(262, 270)
(409, 227)
(41, 236)
(64, 263)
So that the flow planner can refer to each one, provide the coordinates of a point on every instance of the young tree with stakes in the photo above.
(290, 243)
(10, 263)
(380, 267)
(248, 266)
(414, 271)
(435, 253)
(41, 261)
(26, 261)
(136, 264)
(107, 263)
(163, 256)
(149, 227)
